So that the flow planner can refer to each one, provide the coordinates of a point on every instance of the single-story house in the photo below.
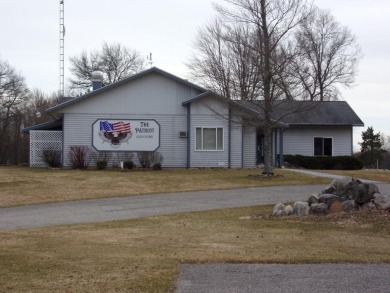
(189, 125)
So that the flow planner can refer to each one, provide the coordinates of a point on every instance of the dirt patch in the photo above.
(267, 176)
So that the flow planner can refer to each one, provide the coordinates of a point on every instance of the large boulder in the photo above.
(301, 208)
(341, 183)
(287, 211)
(361, 193)
(372, 189)
(319, 209)
(313, 199)
(350, 187)
(278, 207)
(329, 189)
(382, 201)
(368, 206)
(327, 198)
(349, 206)
(338, 186)
(336, 207)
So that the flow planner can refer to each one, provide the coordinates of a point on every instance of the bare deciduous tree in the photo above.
(328, 56)
(13, 93)
(263, 31)
(114, 60)
(260, 51)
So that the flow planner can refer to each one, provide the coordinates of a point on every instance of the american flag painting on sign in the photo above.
(106, 126)
(120, 127)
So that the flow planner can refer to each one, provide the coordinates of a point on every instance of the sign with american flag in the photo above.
(126, 135)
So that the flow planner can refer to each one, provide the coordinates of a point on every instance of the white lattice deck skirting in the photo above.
(41, 140)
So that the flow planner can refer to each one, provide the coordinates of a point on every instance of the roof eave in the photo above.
(43, 126)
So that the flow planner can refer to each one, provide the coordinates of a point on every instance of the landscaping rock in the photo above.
(301, 208)
(342, 195)
(319, 209)
(340, 186)
(342, 183)
(372, 189)
(329, 190)
(349, 190)
(368, 206)
(361, 194)
(279, 213)
(349, 206)
(336, 207)
(313, 199)
(382, 201)
(327, 198)
(287, 211)
(278, 207)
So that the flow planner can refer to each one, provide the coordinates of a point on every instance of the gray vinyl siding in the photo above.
(209, 113)
(249, 148)
(155, 96)
(150, 95)
(236, 145)
(200, 158)
(78, 129)
(300, 140)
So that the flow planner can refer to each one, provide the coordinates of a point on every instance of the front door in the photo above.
(259, 149)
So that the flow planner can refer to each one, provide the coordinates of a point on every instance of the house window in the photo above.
(209, 139)
(322, 146)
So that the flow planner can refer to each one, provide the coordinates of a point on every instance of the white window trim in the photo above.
(323, 137)
(216, 133)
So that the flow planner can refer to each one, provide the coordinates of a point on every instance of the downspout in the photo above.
(188, 135)
(230, 139)
(351, 140)
(242, 146)
(276, 147)
(281, 146)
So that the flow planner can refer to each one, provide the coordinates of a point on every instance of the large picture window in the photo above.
(322, 146)
(209, 139)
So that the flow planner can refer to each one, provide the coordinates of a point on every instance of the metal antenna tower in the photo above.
(62, 55)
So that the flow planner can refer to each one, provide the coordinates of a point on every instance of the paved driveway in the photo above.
(101, 210)
(279, 278)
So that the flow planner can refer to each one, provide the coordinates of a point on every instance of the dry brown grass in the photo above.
(142, 255)
(369, 174)
(22, 185)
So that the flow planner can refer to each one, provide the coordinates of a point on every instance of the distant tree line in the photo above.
(18, 109)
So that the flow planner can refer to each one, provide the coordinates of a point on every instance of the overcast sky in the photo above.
(29, 40)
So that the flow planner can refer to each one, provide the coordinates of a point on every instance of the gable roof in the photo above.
(332, 113)
(322, 113)
(124, 81)
(288, 112)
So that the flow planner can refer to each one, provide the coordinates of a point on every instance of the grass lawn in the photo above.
(22, 185)
(142, 255)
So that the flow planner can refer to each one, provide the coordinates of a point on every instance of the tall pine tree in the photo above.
(371, 147)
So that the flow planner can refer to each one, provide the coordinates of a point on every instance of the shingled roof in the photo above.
(311, 113)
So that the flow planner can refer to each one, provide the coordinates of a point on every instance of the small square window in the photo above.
(323, 146)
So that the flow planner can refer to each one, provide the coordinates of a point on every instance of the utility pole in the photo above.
(62, 54)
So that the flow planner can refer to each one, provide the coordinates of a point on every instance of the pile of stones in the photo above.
(342, 195)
